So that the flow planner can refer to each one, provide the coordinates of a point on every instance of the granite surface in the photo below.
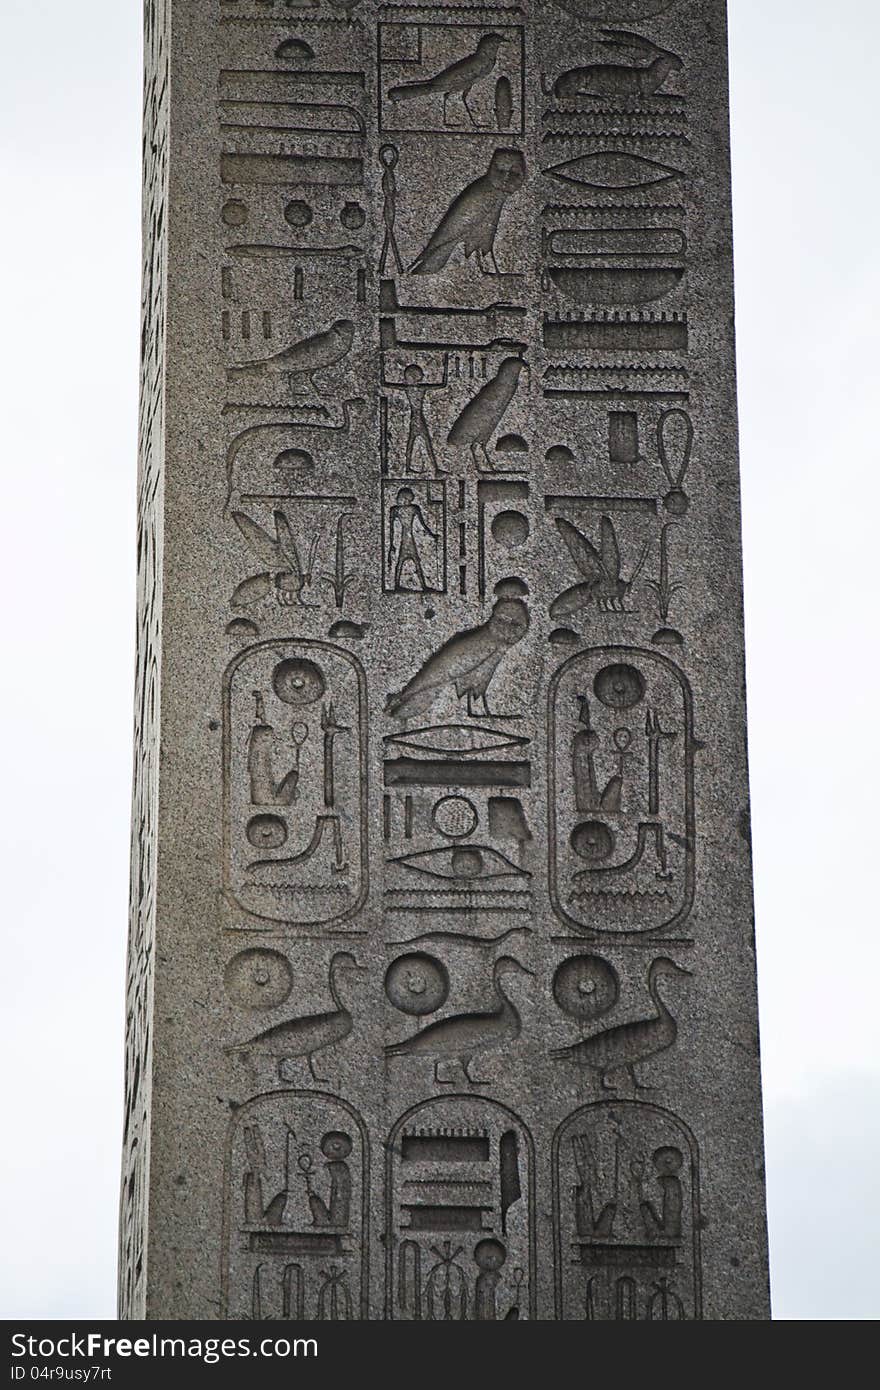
(442, 977)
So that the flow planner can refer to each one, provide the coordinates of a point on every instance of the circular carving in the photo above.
(234, 213)
(489, 1254)
(667, 1161)
(298, 682)
(455, 817)
(592, 841)
(258, 979)
(619, 686)
(266, 832)
(352, 216)
(510, 529)
(336, 1144)
(298, 213)
(417, 983)
(585, 988)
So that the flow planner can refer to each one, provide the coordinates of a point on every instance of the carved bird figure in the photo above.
(458, 78)
(471, 221)
(463, 1036)
(468, 661)
(622, 1047)
(619, 79)
(308, 356)
(303, 1037)
(481, 416)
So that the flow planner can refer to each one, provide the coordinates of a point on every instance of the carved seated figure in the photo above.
(665, 1224)
(336, 1211)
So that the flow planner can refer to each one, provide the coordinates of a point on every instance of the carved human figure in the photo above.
(665, 1224)
(336, 1211)
(297, 1179)
(588, 794)
(620, 795)
(405, 517)
(416, 390)
(626, 1205)
(388, 157)
(268, 789)
(489, 1256)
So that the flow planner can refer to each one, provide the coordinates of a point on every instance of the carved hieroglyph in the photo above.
(441, 987)
(296, 1220)
(626, 1215)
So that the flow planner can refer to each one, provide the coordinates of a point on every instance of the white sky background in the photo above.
(806, 167)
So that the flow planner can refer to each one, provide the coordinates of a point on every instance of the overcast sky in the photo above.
(805, 131)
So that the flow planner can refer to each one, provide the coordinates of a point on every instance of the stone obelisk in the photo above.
(442, 975)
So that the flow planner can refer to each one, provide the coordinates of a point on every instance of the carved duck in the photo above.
(303, 1037)
(621, 1048)
(463, 1036)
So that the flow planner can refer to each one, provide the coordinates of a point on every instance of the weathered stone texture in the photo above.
(141, 958)
(448, 859)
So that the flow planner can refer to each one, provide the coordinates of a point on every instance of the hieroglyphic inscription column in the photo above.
(442, 999)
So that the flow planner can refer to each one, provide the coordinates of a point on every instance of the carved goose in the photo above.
(465, 1035)
(621, 1048)
(303, 1037)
